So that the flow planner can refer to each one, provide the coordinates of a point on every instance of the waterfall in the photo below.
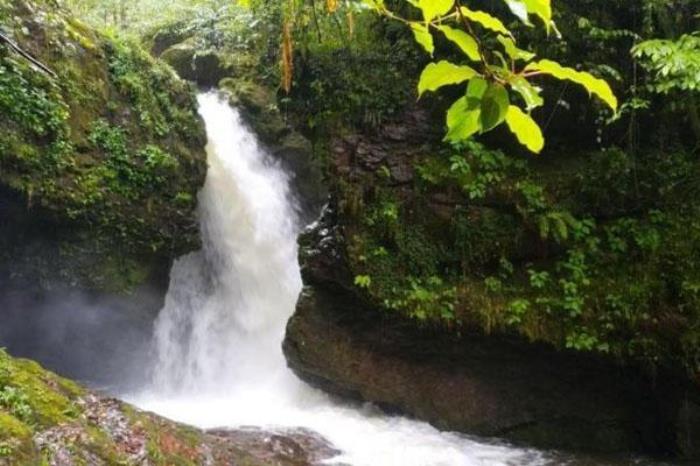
(218, 339)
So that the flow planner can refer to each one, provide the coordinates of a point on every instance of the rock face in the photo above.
(458, 375)
(484, 385)
(45, 419)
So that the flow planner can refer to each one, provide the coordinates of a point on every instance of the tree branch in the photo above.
(28, 56)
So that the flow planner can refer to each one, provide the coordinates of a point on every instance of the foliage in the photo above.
(16, 403)
(675, 64)
(487, 103)
(138, 16)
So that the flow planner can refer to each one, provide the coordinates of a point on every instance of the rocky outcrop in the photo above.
(102, 154)
(485, 385)
(236, 72)
(397, 309)
(45, 419)
(204, 68)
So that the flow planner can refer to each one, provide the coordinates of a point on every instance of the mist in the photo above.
(101, 341)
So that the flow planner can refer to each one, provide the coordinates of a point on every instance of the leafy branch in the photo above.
(496, 74)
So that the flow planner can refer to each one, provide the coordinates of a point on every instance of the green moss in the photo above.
(34, 396)
(104, 148)
(554, 253)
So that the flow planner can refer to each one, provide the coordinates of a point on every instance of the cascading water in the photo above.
(217, 340)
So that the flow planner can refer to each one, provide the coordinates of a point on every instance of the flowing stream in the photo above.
(218, 339)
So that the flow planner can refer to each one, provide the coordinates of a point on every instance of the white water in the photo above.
(218, 338)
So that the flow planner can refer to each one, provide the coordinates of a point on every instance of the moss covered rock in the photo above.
(101, 157)
(45, 419)
(205, 68)
(484, 249)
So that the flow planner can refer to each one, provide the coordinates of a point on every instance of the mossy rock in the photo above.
(205, 68)
(103, 155)
(46, 419)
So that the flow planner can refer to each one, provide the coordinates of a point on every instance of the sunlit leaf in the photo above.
(525, 129)
(374, 4)
(464, 117)
(513, 51)
(463, 40)
(541, 8)
(519, 9)
(423, 37)
(592, 84)
(434, 8)
(443, 73)
(529, 92)
(486, 20)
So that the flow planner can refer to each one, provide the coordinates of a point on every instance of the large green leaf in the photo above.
(423, 37)
(464, 117)
(529, 93)
(465, 41)
(443, 73)
(494, 106)
(592, 84)
(525, 129)
(435, 8)
(486, 20)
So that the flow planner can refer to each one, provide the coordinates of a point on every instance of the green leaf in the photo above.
(464, 117)
(423, 37)
(494, 106)
(463, 40)
(529, 93)
(592, 84)
(519, 9)
(486, 20)
(443, 73)
(524, 8)
(541, 8)
(513, 51)
(525, 129)
(435, 8)
(477, 88)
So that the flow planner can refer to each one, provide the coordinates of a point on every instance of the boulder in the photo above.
(206, 68)
(488, 385)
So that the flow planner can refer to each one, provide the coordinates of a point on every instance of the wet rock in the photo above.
(298, 447)
(494, 385)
